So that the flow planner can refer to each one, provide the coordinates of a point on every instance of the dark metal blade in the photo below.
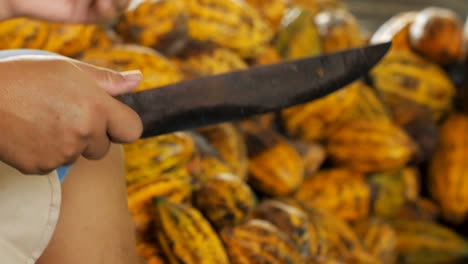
(236, 95)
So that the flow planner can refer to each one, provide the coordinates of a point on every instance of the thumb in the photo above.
(113, 82)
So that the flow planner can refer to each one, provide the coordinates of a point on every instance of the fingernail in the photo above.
(132, 76)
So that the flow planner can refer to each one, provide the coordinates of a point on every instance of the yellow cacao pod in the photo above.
(404, 78)
(208, 61)
(21, 33)
(449, 169)
(382, 145)
(156, 69)
(421, 209)
(338, 30)
(426, 242)
(378, 238)
(338, 190)
(229, 141)
(228, 23)
(152, 157)
(258, 241)
(275, 167)
(338, 240)
(271, 10)
(369, 105)
(292, 221)
(313, 120)
(159, 24)
(140, 195)
(225, 200)
(298, 35)
(185, 235)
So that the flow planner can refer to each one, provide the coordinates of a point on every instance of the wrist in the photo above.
(5, 10)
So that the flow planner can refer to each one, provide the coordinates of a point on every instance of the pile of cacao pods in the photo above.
(376, 172)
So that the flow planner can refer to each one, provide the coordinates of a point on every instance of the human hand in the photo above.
(71, 11)
(55, 110)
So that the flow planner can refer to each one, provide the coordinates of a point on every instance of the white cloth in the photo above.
(29, 212)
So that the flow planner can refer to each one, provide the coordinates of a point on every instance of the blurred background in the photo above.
(372, 13)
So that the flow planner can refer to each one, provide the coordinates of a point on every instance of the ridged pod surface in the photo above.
(378, 238)
(437, 33)
(448, 180)
(389, 193)
(370, 145)
(150, 158)
(338, 30)
(403, 77)
(292, 221)
(141, 194)
(298, 35)
(159, 24)
(258, 241)
(313, 120)
(271, 10)
(275, 167)
(228, 23)
(337, 241)
(157, 70)
(66, 39)
(338, 190)
(229, 141)
(369, 105)
(425, 242)
(225, 200)
(197, 62)
(185, 235)
(396, 30)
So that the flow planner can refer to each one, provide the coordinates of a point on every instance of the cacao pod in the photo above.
(421, 209)
(271, 10)
(23, 33)
(338, 190)
(313, 120)
(427, 242)
(158, 24)
(382, 145)
(152, 157)
(292, 221)
(448, 171)
(229, 141)
(258, 241)
(275, 167)
(338, 30)
(225, 200)
(140, 195)
(298, 35)
(156, 69)
(437, 33)
(396, 30)
(185, 235)
(208, 61)
(228, 23)
(378, 238)
(369, 105)
(404, 78)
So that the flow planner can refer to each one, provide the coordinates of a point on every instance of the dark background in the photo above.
(372, 13)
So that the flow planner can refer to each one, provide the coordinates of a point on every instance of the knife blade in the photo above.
(239, 94)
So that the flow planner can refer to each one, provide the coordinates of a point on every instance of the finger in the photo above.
(124, 125)
(98, 144)
(112, 82)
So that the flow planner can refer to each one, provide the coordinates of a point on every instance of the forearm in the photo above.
(5, 10)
